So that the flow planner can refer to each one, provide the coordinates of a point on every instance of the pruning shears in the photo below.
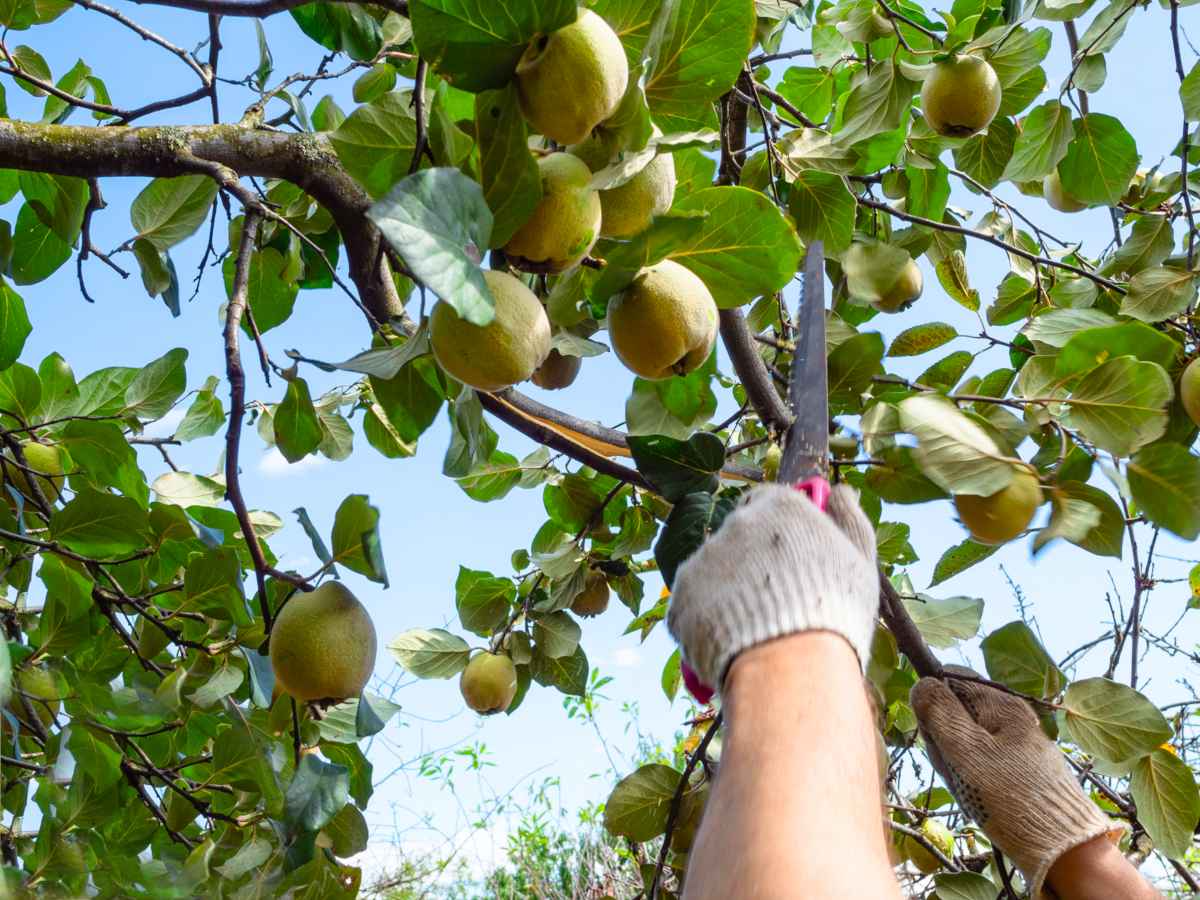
(805, 461)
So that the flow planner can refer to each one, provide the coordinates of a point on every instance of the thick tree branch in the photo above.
(306, 160)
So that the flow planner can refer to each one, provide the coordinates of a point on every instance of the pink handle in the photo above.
(817, 489)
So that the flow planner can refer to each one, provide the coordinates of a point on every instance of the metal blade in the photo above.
(806, 452)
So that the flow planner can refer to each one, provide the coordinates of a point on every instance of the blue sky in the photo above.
(430, 527)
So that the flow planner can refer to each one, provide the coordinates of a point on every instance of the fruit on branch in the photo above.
(1003, 515)
(45, 458)
(497, 355)
(323, 644)
(628, 208)
(1057, 196)
(557, 372)
(771, 460)
(938, 835)
(489, 683)
(903, 292)
(593, 599)
(895, 185)
(571, 80)
(566, 222)
(664, 323)
(960, 96)
(1189, 390)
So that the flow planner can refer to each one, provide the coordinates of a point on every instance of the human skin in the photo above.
(1098, 871)
(795, 810)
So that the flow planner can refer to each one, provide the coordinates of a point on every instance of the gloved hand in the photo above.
(776, 566)
(1006, 774)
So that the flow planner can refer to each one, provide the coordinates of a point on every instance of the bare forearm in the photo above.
(796, 803)
(1097, 871)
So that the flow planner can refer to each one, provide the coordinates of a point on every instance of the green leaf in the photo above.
(347, 832)
(556, 635)
(852, 365)
(1045, 136)
(341, 26)
(1094, 346)
(897, 479)
(985, 156)
(678, 467)
(100, 525)
(1090, 519)
(58, 200)
(1058, 326)
(375, 143)
(1165, 481)
(508, 172)
(249, 857)
(1100, 161)
(152, 262)
(624, 259)
(1168, 804)
(262, 677)
(639, 805)
(964, 886)
(921, 339)
(1121, 405)
(204, 417)
(374, 83)
(30, 61)
(101, 454)
(928, 191)
(567, 674)
(475, 44)
(955, 453)
(1150, 242)
(946, 372)
(1015, 657)
(317, 792)
(877, 103)
(1189, 94)
(1113, 721)
(223, 682)
(154, 389)
(270, 287)
(482, 600)
(213, 584)
(371, 714)
(1159, 293)
(823, 209)
(96, 754)
(809, 90)
(944, 623)
(746, 247)
(296, 428)
(169, 210)
(355, 538)
(430, 653)
(185, 489)
(692, 520)
(14, 325)
(702, 48)
(37, 252)
(960, 558)
(438, 221)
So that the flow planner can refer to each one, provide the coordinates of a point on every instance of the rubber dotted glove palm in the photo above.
(1006, 774)
(776, 566)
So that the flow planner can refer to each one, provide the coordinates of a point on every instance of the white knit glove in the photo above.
(1006, 774)
(776, 566)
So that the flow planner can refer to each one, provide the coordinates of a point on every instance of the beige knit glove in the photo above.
(776, 566)
(1006, 774)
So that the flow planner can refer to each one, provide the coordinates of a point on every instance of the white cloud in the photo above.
(627, 658)
(273, 464)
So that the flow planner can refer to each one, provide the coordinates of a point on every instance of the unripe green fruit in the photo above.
(1003, 515)
(489, 683)
(960, 96)
(1056, 195)
(566, 222)
(629, 208)
(895, 185)
(904, 292)
(664, 323)
(557, 372)
(40, 689)
(323, 644)
(938, 835)
(571, 80)
(593, 599)
(1189, 390)
(771, 461)
(497, 355)
(45, 458)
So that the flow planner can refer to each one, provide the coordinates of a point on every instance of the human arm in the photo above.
(795, 810)
(1013, 780)
(777, 609)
